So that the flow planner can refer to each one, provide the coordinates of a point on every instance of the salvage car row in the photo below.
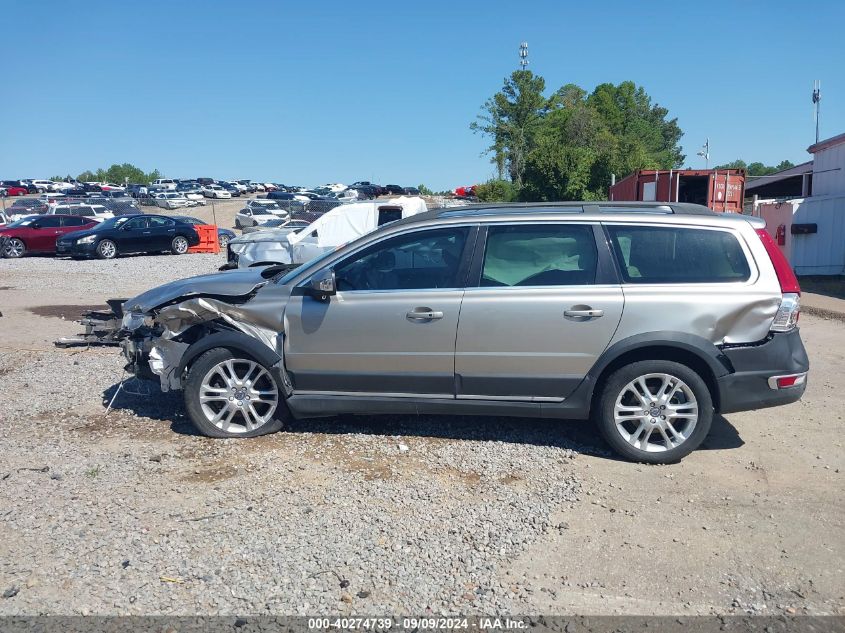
(79, 236)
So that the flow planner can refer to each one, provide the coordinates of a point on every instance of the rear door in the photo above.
(545, 305)
(161, 232)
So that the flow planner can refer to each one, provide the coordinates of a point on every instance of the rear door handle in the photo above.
(424, 314)
(584, 313)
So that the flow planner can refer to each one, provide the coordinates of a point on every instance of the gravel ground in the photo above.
(131, 513)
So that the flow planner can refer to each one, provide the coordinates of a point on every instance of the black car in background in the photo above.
(367, 192)
(130, 234)
(393, 190)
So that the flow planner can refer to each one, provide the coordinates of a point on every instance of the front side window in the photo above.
(539, 255)
(420, 260)
(135, 223)
(670, 255)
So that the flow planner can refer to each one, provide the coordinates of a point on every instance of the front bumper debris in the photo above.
(101, 327)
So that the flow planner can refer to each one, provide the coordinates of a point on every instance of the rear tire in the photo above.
(179, 245)
(217, 379)
(655, 411)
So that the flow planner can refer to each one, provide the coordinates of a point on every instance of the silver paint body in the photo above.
(499, 333)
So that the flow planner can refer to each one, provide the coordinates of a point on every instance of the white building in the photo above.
(811, 230)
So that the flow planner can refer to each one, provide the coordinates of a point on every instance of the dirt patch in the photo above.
(65, 311)
(212, 474)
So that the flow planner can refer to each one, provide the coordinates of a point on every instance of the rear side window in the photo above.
(675, 255)
(539, 255)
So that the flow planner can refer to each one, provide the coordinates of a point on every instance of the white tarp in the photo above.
(350, 221)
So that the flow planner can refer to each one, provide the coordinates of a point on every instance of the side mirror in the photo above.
(322, 285)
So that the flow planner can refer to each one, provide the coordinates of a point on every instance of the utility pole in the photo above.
(817, 97)
(523, 55)
(704, 152)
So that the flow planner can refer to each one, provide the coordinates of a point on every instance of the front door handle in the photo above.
(586, 313)
(424, 314)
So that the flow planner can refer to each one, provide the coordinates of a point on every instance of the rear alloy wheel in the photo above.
(655, 412)
(179, 245)
(106, 249)
(229, 395)
(224, 241)
(14, 249)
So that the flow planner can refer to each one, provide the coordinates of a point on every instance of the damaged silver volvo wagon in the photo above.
(648, 318)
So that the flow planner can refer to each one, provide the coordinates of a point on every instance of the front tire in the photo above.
(231, 395)
(14, 249)
(655, 411)
(106, 249)
(179, 245)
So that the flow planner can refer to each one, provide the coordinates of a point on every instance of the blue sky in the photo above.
(314, 92)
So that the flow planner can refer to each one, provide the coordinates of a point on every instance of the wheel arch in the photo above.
(695, 352)
(235, 342)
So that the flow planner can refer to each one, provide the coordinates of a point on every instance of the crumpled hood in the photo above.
(231, 283)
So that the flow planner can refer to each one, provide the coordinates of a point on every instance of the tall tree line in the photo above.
(566, 146)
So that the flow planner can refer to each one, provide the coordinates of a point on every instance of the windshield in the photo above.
(22, 222)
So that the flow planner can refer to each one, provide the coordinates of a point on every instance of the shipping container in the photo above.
(720, 189)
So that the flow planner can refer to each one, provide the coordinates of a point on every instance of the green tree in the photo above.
(119, 174)
(756, 168)
(567, 146)
(498, 190)
(511, 119)
(425, 190)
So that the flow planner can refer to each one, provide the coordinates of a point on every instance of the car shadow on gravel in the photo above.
(145, 399)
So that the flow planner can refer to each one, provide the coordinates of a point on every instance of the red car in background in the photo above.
(14, 190)
(38, 233)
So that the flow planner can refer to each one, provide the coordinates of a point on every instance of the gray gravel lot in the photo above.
(131, 512)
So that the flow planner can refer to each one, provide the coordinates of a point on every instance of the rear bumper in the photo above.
(749, 386)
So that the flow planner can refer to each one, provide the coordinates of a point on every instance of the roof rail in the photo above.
(590, 206)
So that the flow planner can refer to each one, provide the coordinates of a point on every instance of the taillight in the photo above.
(790, 304)
(786, 277)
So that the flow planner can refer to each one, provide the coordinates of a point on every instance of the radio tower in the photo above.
(817, 97)
(523, 55)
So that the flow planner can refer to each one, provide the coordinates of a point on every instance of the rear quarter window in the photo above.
(677, 255)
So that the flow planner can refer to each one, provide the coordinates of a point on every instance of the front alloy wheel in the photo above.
(106, 249)
(655, 411)
(233, 396)
(14, 249)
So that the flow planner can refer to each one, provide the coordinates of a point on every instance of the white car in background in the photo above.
(347, 195)
(255, 216)
(215, 191)
(96, 212)
(61, 186)
(43, 186)
(239, 186)
(336, 187)
(195, 196)
(267, 206)
(164, 183)
(259, 187)
(172, 200)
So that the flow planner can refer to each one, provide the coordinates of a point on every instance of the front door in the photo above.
(44, 237)
(537, 319)
(390, 329)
